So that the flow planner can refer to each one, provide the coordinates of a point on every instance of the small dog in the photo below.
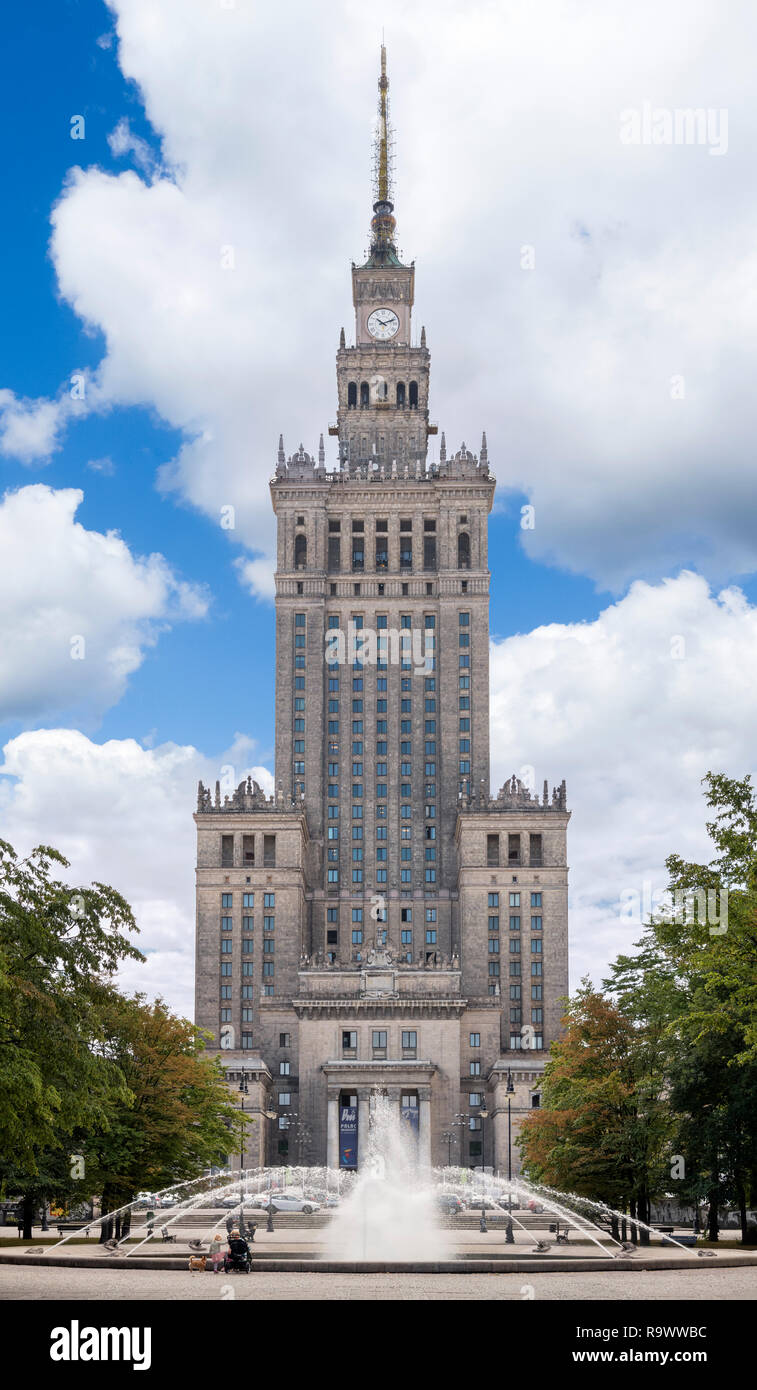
(197, 1262)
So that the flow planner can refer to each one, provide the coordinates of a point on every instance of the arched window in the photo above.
(413, 393)
(365, 395)
(400, 393)
(352, 395)
(463, 551)
(300, 552)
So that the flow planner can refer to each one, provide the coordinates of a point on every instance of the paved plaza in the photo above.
(109, 1285)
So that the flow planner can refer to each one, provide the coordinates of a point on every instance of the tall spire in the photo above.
(383, 250)
(382, 135)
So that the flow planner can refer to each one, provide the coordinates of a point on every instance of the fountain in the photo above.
(390, 1213)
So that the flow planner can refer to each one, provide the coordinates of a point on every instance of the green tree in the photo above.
(59, 946)
(180, 1116)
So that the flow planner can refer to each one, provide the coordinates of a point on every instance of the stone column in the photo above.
(332, 1132)
(363, 1118)
(424, 1128)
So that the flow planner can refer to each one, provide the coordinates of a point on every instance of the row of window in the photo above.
(493, 851)
(357, 552)
(248, 852)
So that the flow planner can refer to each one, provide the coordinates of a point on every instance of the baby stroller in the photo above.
(238, 1260)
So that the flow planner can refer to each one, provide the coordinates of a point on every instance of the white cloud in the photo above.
(124, 142)
(632, 710)
(78, 610)
(30, 430)
(508, 135)
(122, 814)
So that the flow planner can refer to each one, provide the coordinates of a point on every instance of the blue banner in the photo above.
(348, 1136)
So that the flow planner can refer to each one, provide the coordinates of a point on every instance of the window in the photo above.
(536, 899)
(475, 1039)
(379, 1042)
(535, 850)
(227, 851)
(536, 945)
(248, 900)
(494, 924)
(536, 923)
(227, 946)
(463, 551)
(513, 849)
(285, 1068)
(409, 1042)
(226, 899)
(227, 923)
(269, 851)
(285, 1040)
(349, 1042)
(515, 923)
(515, 899)
(474, 1068)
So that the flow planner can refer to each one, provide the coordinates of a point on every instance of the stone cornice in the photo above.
(379, 1006)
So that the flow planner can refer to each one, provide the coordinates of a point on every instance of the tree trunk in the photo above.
(632, 1210)
(614, 1228)
(713, 1227)
(106, 1222)
(28, 1215)
(741, 1196)
(643, 1214)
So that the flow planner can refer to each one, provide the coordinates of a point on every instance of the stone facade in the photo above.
(382, 922)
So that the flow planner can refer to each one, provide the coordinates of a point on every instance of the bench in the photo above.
(65, 1228)
(166, 1234)
(560, 1233)
(687, 1239)
(664, 1230)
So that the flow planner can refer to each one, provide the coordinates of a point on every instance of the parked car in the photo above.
(281, 1201)
(533, 1205)
(449, 1203)
(234, 1201)
(511, 1204)
(477, 1200)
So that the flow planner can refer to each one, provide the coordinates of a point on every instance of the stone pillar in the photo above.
(424, 1128)
(332, 1132)
(363, 1119)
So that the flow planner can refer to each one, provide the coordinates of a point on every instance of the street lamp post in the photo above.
(509, 1237)
(244, 1091)
(484, 1113)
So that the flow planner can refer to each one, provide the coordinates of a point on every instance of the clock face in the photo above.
(383, 323)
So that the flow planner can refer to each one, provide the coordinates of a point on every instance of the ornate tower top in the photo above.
(383, 226)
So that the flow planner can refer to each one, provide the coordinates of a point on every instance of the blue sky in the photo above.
(209, 125)
(187, 689)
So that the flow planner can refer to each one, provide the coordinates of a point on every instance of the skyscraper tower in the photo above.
(382, 923)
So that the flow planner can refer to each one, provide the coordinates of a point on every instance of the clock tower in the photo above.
(383, 380)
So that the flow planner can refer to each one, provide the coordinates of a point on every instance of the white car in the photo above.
(282, 1201)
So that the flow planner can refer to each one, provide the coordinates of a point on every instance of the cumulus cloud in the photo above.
(122, 814)
(31, 430)
(613, 377)
(78, 610)
(632, 710)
